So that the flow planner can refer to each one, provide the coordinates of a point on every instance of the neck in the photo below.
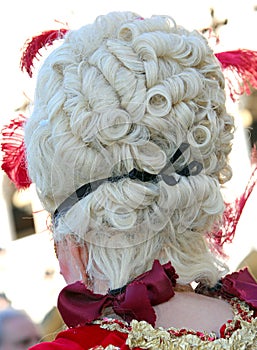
(101, 287)
(183, 288)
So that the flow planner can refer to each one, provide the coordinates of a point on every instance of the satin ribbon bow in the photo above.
(242, 285)
(79, 306)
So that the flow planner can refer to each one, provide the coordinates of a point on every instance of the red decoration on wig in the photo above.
(243, 66)
(254, 156)
(32, 47)
(14, 160)
(232, 214)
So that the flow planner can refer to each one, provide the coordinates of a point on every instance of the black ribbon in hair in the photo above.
(193, 168)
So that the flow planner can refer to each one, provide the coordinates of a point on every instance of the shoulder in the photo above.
(194, 311)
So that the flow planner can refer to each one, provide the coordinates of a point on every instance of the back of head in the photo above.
(129, 93)
(17, 330)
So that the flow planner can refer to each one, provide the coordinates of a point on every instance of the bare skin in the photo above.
(193, 311)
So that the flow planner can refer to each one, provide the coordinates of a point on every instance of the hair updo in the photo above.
(124, 93)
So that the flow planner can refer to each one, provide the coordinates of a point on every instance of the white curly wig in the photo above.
(124, 93)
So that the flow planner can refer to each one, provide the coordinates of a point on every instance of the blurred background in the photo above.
(29, 273)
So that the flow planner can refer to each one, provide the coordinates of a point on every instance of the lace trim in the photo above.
(239, 333)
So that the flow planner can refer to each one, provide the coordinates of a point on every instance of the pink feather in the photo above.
(32, 47)
(231, 216)
(14, 160)
(240, 70)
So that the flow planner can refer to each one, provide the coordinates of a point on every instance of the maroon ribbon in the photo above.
(242, 285)
(79, 306)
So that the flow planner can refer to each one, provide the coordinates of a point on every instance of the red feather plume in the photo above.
(14, 160)
(232, 214)
(32, 47)
(240, 70)
(12, 145)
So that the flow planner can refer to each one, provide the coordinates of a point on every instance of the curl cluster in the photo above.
(124, 93)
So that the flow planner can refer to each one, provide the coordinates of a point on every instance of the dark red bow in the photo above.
(242, 285)
(78, 305)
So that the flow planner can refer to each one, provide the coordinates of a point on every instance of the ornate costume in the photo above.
(76, 306)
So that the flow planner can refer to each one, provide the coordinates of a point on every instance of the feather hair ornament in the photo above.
(240, 71)
(232, 214)
(14, 159)
(32, 47)
(12, 144)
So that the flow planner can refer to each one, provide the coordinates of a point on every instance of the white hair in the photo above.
(125, 93)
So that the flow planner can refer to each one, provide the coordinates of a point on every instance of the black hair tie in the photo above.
(193, 168)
